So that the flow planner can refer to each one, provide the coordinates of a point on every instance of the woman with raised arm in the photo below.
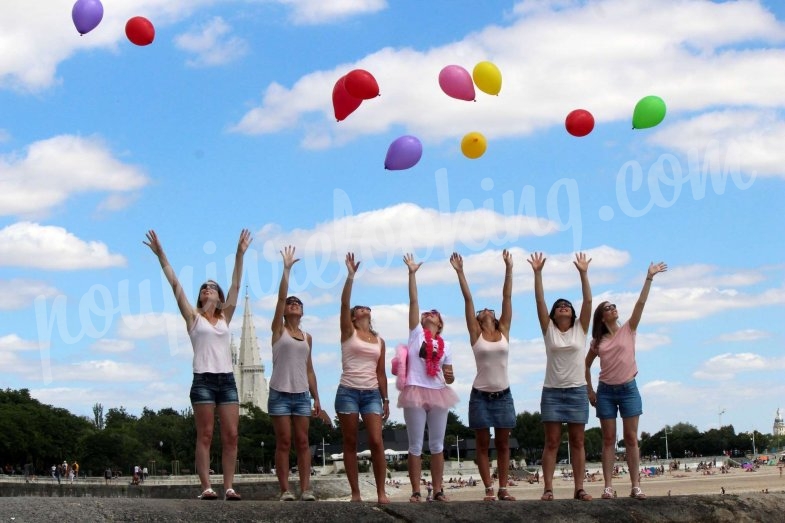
(213, 388)
(617, 392)
(564, 397)
(490, 403)
(362, 390)
(292, 386)
(426, 398)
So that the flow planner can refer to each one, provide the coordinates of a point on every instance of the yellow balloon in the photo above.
(473, 145)
(487, 77)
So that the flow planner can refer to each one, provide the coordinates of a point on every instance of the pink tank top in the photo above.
(491, 359)
(290, 364)
(359, 360)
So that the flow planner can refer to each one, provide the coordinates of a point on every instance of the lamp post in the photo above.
(458, 449)
(324, 457)
(720, 413)
(569, 458)
(665, 437)
(262, 457)
(754, 452)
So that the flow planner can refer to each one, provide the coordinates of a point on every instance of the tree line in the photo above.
(42, 435)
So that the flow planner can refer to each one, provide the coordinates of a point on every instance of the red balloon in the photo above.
(361, 84)
(579, 122)
(140, 30)
(344, 103)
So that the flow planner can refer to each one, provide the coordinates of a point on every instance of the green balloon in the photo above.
(649, 111)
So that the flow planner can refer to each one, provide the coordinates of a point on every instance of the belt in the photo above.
(492, 395)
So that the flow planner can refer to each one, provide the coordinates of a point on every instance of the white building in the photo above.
(247, 363)
(779, 425)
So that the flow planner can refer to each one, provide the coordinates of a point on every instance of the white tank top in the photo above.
(290, 363)
(211, 346)
(491, 359)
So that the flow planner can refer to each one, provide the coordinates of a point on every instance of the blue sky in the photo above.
(226, 122)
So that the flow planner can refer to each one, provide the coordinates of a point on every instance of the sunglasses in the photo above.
(563, 305)
(493, 312)
(432, 312)
(296, 301)
(212, 286)
(362, 308)
(609, 307)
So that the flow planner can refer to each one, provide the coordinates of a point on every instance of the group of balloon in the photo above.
(404, 152)
(87, 14)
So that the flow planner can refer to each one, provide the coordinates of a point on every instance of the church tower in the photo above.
(247, 364)
(779, 425)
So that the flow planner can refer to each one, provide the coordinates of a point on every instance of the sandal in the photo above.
(637, 493)
(231, 495)
(547, 495)
(503, 496)
(582, 495)
(416, 497)
(439, 496)
(607, 493)
(489, 494)
(208, 494)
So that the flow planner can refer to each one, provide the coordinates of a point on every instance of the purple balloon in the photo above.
(403, 153)
(87, 14)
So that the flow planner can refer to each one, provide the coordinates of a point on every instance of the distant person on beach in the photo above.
(292, 386)
(617, 392)
(362, 389)
(490, 403)
(564, 398)
(213, 388)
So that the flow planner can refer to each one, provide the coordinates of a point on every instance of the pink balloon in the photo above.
(456, 81)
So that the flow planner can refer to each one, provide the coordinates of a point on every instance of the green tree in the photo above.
(530, 435)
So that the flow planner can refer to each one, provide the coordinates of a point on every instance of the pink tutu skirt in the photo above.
(425, 398)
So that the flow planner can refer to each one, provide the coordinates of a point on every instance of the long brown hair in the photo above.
(219, 313)
(598, 328)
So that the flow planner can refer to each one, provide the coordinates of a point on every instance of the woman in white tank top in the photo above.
(490, 403)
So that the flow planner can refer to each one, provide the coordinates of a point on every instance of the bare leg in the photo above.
(373, 423)
(608, 450)
(282, 426)
(578, 454)
(437, 471)
(631, 446)
(552, 441)
(503, 455)
(483, 443)
(303, 450)
(229, 415)
(204, 414)
(349, 426)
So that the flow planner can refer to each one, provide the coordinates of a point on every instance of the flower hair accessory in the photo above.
(433, 355)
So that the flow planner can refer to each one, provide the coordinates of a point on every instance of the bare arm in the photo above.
(537, 261)
(590, 356)
(347, 328)
(637, 311)
(505, 320)
(187, 311)
(288, 260)
(317, 407)
(414, 306)
(582, 264)
(456, 260)
(381, 375)
(234, 290)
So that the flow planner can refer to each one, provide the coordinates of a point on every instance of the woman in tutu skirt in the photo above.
(426, 398)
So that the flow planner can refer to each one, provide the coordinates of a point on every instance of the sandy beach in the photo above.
(678, 483)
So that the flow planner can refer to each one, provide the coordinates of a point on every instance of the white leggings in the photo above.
(416, 418)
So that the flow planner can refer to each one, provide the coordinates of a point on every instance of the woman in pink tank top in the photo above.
(363, 388)
(490, 402)
(617, 391)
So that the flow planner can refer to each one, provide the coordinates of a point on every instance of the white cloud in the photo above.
(12, 342)
(598, 56)
(312, 12)
(47, 247)
(112, 345)
(742, 335)
(212, 44)
(726, 366)
(645, 341)
(19, 294)
(56, 169)
(105, 371)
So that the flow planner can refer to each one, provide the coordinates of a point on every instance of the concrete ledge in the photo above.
(729, 508)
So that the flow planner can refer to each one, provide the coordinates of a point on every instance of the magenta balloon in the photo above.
(403, 153)
(87, 14)
(456, 81)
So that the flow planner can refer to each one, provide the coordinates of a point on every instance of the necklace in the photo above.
(433, 354)
(365, 337)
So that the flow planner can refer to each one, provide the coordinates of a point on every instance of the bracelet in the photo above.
(650, 279)
(385, 400)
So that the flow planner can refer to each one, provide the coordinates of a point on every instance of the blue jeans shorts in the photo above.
(496, 410)
(288, 403)
(356, 401)
(568, 405)
(218, 389)
(623, 399)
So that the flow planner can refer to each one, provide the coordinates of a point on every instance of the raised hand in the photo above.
(244, 241)
(408, 259)
(537, 261)
(656, 268)
(508, 258)
(153, 243)
(456, 260)
(581, 262)
(288, 257)
(351, 265)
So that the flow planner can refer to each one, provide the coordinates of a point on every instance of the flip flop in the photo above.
(416, 497)
(582, 495)
(547, 495)
(503, 496)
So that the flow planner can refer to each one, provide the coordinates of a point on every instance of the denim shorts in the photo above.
(288, 403)
(491, 410)
(624, 399)
(568, 405)
(356, 401)
(218, 389)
